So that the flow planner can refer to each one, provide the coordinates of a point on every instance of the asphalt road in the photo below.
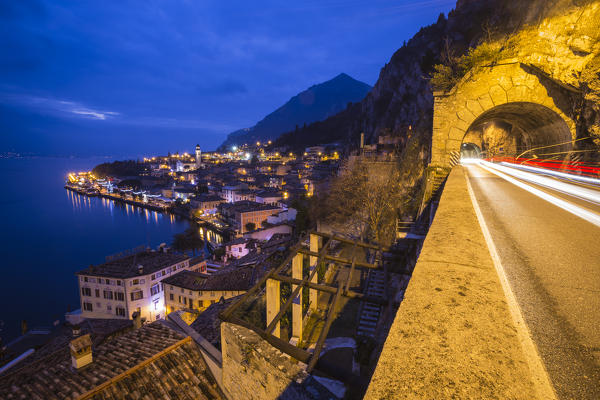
(552, 260)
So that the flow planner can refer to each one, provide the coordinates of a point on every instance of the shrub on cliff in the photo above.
(448, 74)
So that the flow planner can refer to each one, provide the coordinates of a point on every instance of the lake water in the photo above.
(48, 233)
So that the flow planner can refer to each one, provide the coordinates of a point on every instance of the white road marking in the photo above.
(541, 379)
(565, 205)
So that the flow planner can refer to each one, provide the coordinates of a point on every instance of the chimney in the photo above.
(140, 269)
(81, 351)
(76, 330)
(362, 140)
(137, 320)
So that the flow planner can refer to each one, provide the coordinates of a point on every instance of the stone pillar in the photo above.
(273, 304)
(297, 262)
(316, 242)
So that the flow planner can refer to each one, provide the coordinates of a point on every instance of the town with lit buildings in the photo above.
(242, 203)
(433, 236)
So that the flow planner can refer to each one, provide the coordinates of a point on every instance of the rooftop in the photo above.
(154, 361)
(232, 279)
(248, 206)
(208, 323)
(127, 267)
(207, 197)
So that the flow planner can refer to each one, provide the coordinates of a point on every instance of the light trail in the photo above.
(555, 173)
(506, 172)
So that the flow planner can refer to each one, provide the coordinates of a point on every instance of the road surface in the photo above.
(549, 247)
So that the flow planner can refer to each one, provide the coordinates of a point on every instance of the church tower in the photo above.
(198, 156)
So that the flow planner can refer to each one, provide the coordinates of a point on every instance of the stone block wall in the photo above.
(255, 370)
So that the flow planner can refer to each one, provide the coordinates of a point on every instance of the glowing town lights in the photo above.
(286, 195)
(291, 154)
(247, 155)
(234, 148)
(305, 154)
(258, 143)
(269, 142)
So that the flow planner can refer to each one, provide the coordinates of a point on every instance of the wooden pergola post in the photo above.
(273, 304)
(316, 242)
(297, 263)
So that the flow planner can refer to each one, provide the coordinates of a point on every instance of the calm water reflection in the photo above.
(48, 233)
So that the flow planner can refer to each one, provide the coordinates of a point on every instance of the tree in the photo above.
(250, 226)
(366, 199)
(188, 240)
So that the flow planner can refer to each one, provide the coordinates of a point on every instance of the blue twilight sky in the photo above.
(137, 77)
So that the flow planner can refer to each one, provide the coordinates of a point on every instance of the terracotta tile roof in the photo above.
(127, 267)
(151, 362)
(208, 323)
(231, 279)
(99, 329)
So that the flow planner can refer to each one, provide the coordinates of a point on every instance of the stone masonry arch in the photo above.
(507, 93)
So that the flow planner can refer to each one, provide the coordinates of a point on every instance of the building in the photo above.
(238, 248)
(207, 203)
(183, 166)
(233, 193)
(112, 363)
(189, 290)
(268, 197)
(198, 157)
(243, 215)
(118, 288)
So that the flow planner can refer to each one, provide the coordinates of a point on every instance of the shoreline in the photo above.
(167, 210)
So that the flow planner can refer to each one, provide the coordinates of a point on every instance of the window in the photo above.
(170, 296)
(120, 311)
(86, 291)
(108, 282)
(137, 295)
(100, 280)
(85, 278)
(153, 277)
(97, 292)
(185, 301)
(118, 283)
(93, 280)
(155, 289)
(142, 281)
(135, 282)
(120, 296)
(108, 294)
(88, 307)
(109, 307)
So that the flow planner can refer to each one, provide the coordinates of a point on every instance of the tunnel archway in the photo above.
(503, 109)
(519, 128)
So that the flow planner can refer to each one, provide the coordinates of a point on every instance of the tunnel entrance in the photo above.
(470, 151)
(518, 129)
